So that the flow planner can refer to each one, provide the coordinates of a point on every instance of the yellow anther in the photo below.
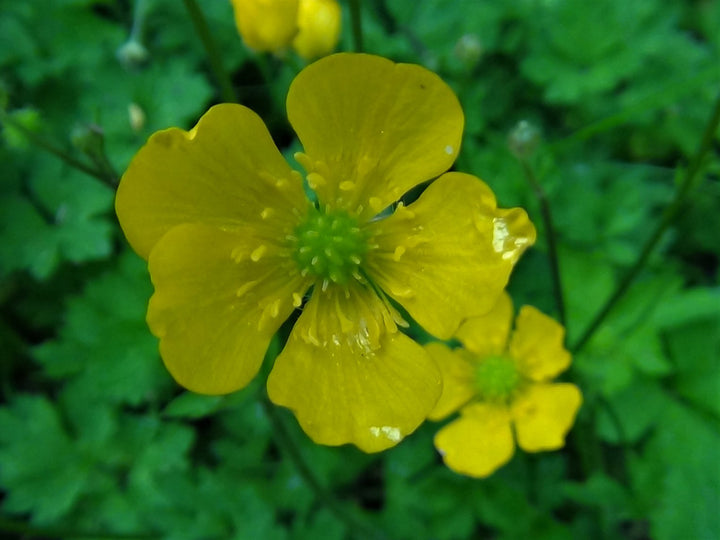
(315, 180)
(258, 253)
(304, 161)
(297, 299)
(347, 185)
(399, 251)
(406, 292)
(245, 287)
(266, 213)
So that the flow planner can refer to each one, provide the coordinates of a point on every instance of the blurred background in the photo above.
(602, 104)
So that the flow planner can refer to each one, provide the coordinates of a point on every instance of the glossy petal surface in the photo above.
(226, 172)
(487, 335)
(214, 308)
(353, 382)
(457, 374)
(440, 257)
(373, 129)
(543, 414)
(478, 442)
(537, 345)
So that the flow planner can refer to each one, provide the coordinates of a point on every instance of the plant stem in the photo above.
(104, 176)
(355, 525)
(203, 31)
(356, 20)
(669, 215)
(553, 258)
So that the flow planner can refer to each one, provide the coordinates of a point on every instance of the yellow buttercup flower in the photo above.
(235, 246)
(501, 380)
(312, 27)
(319, 28)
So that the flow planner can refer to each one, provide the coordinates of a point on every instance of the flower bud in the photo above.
(319, 23)
(136, 117)
(523, 139)
(266, 25)
(132, 54)
(468, 50)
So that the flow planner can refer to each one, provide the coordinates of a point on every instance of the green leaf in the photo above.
(105, 352)
(678, 479)
(42, 472)
(60, 215)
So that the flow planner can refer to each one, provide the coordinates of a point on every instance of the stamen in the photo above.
(347, 185)
(258, 252)
(245, 287)
(315, 180)
(304, 161)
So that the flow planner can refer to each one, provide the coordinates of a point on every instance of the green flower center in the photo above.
(497, 378)
(329, 246)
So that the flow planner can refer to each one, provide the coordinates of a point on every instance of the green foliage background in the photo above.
(97, 441)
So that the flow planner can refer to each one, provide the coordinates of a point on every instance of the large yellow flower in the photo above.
(499, 381)
(235, 246)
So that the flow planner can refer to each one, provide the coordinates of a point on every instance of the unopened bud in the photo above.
(469, 49)
(132, 54)
(523, 139)
(136, 116)
(319, 22)
(266, 26)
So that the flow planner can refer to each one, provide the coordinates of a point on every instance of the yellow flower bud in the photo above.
(319, 23)
(266, 25)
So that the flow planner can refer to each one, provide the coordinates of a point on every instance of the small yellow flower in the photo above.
(319, 23)
(235, 246)
(266, 25)
(312, 27)
(501, 381)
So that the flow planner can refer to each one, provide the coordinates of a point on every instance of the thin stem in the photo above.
(28, 531)
(355, 526)
(105, 177)
(553, 258)
(356, 20)
(669, 215)
(203, 31)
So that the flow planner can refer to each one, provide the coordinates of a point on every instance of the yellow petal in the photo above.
(215, 309)
(345, 389)
(457, 375)
(488, 334)
(439, 257)
(319, 22)
(373, 129)
(543, 414)
(266, 25)
(537, 345)
(477, 443)
(226, 172)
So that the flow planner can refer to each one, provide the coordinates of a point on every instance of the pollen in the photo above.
(329, 246)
